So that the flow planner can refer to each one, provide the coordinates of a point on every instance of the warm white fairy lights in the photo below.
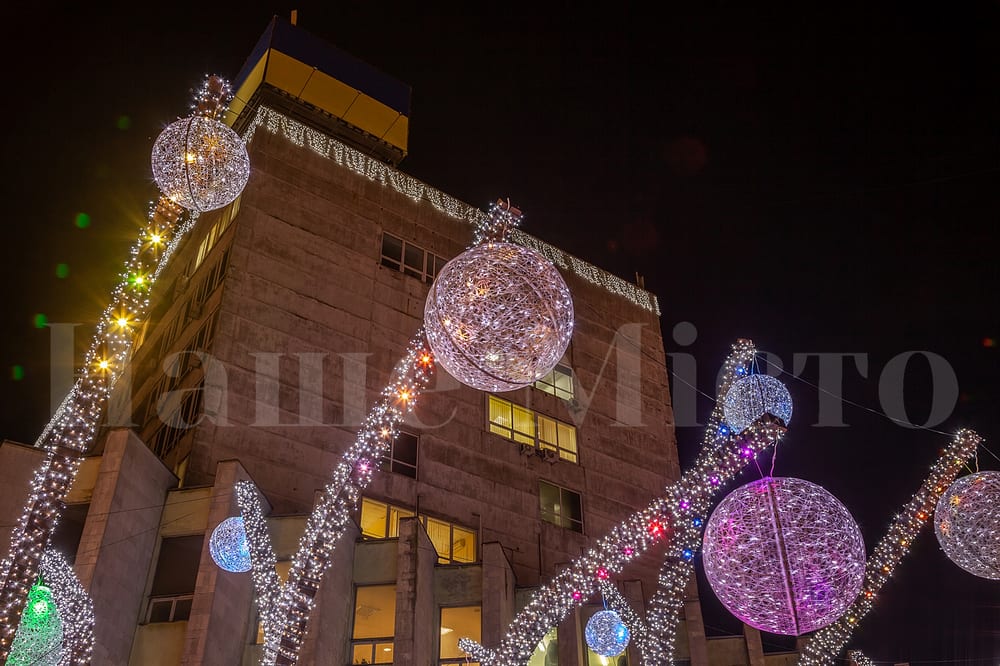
(783, 555)
(754, 395)
(70, 432)
(326, 146)
(825, 646)
(76, 609)
(498, 316)
(685, 501)
(199, 162)
(858, 658)
(967, 524)
(285, 608)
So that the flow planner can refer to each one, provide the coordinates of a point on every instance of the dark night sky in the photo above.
(818, 180)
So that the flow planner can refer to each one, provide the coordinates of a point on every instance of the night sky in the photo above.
(817, 180)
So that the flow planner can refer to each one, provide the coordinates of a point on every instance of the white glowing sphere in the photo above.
(753, 396)
(229, 547)
(967, 523)
(498, 317)
(200, 163)
(784, 555)
(606, 634)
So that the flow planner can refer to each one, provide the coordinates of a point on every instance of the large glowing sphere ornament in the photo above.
(228, 545)
(784, 555)
(39, 637)
(200, 163)
(498, 316)
(967, 523)
(606, 634)
(753, 396)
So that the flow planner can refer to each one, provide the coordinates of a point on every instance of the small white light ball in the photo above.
(753, 396)
(200, 163)
(228, 545)
(967, 524)
(498, 317)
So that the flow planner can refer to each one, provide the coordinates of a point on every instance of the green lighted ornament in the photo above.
(39, 636)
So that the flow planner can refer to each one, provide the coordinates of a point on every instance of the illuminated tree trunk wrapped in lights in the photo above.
(824, 646)
(285, 608)
(684, 502)
(70, 432)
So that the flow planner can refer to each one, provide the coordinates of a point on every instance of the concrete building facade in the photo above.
(273, 329)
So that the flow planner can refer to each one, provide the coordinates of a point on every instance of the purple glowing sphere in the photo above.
(784, 555)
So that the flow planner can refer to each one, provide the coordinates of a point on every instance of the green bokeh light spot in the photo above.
(62, 271)
(41, 321)
(82, 220)
(124, 122)
(17, 372)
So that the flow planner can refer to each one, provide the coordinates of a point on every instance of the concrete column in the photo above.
(218, 630)
(571, 640)
(18, 463)
(755, 648)
(416, 612)
(118, 540)
(695, 625)
(498, 594)
(632, 591)
(327, 639)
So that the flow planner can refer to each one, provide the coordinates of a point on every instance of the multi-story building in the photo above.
(273, 329)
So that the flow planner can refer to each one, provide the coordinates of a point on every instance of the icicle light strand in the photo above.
(825, 646)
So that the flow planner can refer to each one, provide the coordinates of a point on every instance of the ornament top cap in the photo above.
(502, 217)
(212, 99)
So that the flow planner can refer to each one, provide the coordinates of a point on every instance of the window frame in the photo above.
(390, 529)
(548, 383)
(459, 659)
(374, 641)
(430, 263)
(390, 462)
(507, 429)
(561, 519)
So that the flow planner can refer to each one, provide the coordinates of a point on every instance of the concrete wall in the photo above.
(19, 462)
(119, 540)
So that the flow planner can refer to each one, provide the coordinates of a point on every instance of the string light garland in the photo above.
(858, 658)
(71, 430)
(228, 546)
(376, 171)
(724, 455)
(783, 555)
(753, 395)
(498, 316)
(825, 646)
(285, 608)
(199, 162)
(76, 609)
(967, 524)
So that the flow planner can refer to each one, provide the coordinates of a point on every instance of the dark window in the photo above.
(413, 260)
(173, 583)
(560, 506)
(402, 455)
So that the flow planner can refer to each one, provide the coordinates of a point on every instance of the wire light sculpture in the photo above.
(199, 162)
(39, 637)
(967, 524)
(606, 634)
(499, 316)
(228, 545)
(784, 555)
(753, 396)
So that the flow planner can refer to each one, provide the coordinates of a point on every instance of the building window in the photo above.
(547, 651)
(374, 624)
(173, 583)
(454, 544)
(559, 382)
(402, 455)
(456, 623)
(528, 427)
(413, 260)
(560, 506)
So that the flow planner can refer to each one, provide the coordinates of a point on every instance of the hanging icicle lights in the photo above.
(824, 647)
(285, 609)
(688, 499)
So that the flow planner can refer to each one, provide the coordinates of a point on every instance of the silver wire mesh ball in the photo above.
(784, 555)
(39, 637)
(498, 317)
(753, 396)
(967, 523)
(228, 545)
(200, 163)
(606, 634)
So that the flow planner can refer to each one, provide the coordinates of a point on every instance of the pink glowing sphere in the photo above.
(784, 555)
(498, 317)
(967, 524)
